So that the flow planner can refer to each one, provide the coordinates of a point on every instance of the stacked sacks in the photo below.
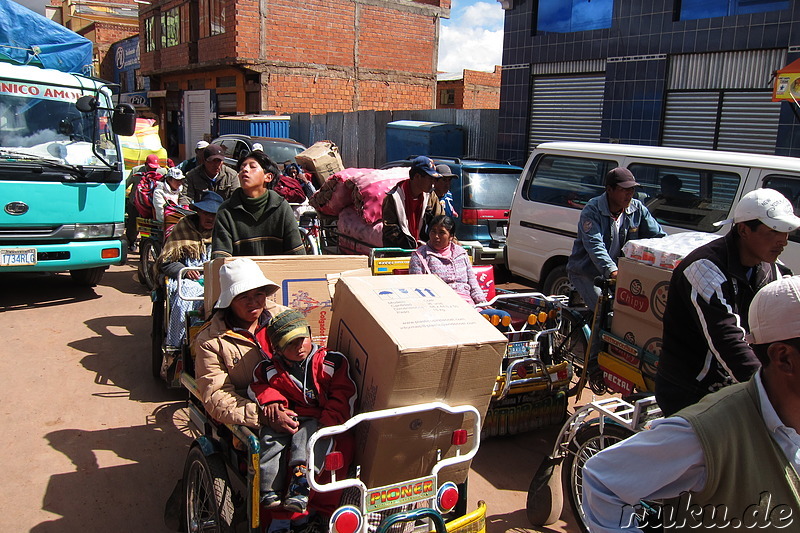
(354, 196)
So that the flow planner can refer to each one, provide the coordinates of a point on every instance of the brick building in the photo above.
(469, 89)
(224, 57)
(103, 23)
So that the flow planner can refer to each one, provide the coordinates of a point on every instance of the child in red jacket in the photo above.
(311, 384)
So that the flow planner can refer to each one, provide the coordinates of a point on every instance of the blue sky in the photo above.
(473, 36)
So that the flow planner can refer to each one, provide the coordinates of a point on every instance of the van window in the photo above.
(567, 181)
(687, 198)
(488, 188)
(789, 186)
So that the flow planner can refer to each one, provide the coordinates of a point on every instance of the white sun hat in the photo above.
(775, 311)
(238, 276)
(769, 206)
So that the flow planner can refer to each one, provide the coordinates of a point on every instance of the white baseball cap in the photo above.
(775, 312)
(238, 276)
(769, 206)
(200, 145)
(175, 173)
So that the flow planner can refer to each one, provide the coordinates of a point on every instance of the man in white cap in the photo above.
(197, 160)
(742, 477)
(705, 320)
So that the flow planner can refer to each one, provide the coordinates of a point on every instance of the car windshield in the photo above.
(280, 152)
(46, 124)
(489, 188)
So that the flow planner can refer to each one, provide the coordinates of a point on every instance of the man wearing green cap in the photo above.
(310, 382)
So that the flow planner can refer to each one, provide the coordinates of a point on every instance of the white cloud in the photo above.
(472, 38)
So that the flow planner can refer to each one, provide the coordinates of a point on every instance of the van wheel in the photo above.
(557, 282)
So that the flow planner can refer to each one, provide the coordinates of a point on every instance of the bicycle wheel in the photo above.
(309, 242)
(149, 250)
(569, 344)
(587, 443)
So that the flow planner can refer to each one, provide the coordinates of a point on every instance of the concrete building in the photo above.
(468, 89)
(210, 58)
(685, 73)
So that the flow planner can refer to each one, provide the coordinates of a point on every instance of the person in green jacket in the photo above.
(256, 220)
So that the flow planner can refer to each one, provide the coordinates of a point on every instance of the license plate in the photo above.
(518, 349)
(17, 257)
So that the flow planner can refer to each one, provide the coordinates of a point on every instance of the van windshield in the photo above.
(489, 188)
(41, 123)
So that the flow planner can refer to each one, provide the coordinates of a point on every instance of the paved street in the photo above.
(93, 443)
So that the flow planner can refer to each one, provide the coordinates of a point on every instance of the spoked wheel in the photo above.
(570, 344)
(309, 242)
(149, 250)
(207, 496)
(587, 443)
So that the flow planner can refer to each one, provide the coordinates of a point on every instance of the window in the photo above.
(567, 181)
(690, 198)
(789, 186)
(447, 96)
(149, 35)
(216, 16)
(488, 188)
(226, 104)
(171, 28)
(226, 81)
(701, 9)
(564, 16)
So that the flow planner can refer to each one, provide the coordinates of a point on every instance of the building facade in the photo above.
(468, 89)
(684, 73)
(210, 58)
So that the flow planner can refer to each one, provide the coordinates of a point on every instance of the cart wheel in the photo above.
(149, 250)
(545, 495)
(570, 343)
(587, 442)
(158, 331)
(207, 496)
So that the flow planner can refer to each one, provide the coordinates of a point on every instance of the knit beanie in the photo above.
(286, 327)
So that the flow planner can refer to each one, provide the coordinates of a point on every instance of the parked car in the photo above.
(482, 198)
(280, 150)
(560, 177)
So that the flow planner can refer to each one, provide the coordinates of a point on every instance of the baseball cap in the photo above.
(213, 152)
(152, 161)
(775, 312)
(621, 177)
(209, 202)
(200, 145)
(769, 206)
(424, 164)
(445, 171)
(175, 173)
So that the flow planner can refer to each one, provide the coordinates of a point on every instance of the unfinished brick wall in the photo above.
(475, 90)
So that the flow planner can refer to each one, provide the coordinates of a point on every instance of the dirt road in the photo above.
(93, 443)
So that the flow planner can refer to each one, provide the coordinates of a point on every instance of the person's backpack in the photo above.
(143, 195)
(290, 189)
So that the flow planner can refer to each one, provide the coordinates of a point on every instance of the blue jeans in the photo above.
(586, 288)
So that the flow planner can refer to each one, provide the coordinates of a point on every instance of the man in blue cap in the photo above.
(410, 206)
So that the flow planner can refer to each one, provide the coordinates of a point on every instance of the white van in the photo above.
(685, 190)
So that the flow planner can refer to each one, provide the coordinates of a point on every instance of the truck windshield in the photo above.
(40, 122)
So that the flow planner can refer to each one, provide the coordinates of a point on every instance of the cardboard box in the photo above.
(303, 281)
(411, 340)
(642, 290)
(322, 159)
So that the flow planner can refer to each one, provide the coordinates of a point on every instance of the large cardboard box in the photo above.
(322, 159)
(303, 281)
(642, 290)
(411, 340)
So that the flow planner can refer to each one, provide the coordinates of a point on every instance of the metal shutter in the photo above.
(735, 121)
(566, 108)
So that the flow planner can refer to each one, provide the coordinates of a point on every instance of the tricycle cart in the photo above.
(623, 368)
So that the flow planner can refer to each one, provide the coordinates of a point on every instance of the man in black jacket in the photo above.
(705, 321)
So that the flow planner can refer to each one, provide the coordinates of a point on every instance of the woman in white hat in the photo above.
(233, 342)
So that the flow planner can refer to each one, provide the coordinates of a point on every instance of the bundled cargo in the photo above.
(668, 251)
(322, 159)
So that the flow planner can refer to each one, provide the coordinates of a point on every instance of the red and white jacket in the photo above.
(329, 375)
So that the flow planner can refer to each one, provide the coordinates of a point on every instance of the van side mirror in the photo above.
(123, 120)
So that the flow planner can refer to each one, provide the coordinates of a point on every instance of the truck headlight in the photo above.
(94, 231)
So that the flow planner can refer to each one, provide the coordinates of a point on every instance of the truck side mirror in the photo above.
(123, 120)
(87, 104)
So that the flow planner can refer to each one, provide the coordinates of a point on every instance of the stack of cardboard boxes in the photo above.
(322, 159)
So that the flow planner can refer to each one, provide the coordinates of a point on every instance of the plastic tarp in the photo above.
(143, 142)
(28, 38)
